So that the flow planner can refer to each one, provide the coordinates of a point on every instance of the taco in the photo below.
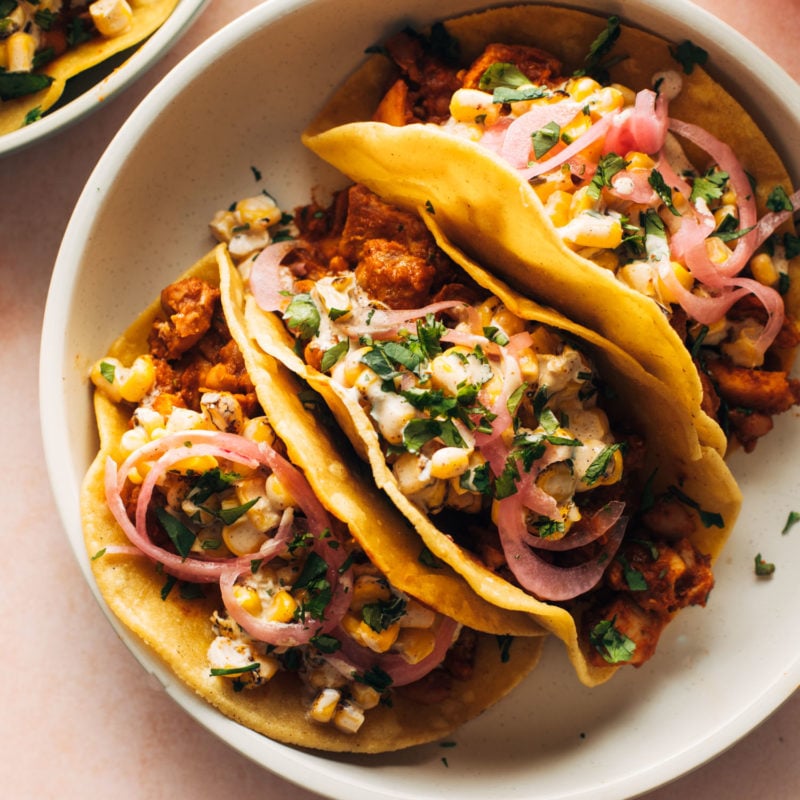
(44, 44)
(537, 459)
(574, 158)
(212, 547)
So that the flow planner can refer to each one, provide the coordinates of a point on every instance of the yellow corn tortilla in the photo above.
(484, 208)
(178, 631)
(147, 17)
(673, 450)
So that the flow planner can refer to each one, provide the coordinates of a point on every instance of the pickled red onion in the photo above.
(516, 146)
(269, 283)
(548, 581)
(583, 532)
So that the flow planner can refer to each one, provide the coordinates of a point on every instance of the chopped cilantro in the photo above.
(779, 200)
(212, 481)
(612, 644)
(688, 54)
(333, 355)
(229, 515)
(380, 615)
(476, 479)
(313, 578)
(377, 678)
(108, 371)
(302, 316)
(256, 173)
(20, 84)
(429, 208)
(181, 536)
(709, 186)
(659, 186)
(33, 115)
(502, 75)
(791, 520)
(763, 568)
(608, 166)
(504, 642)
(634, 579)
(708, 518)
(99, 554)
(494, 334)
(169, 583)
(596, 65)
(220, 671)
(428, 559)
(597, 469)
(326, 643)
(545, 139)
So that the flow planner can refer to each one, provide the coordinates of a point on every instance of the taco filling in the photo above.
(44, 42)
(494, 427)
(664, 205)
(200, 486)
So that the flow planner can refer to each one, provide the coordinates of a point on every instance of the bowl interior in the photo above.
(225, 124)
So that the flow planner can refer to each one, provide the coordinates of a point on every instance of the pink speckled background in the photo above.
(79, 718)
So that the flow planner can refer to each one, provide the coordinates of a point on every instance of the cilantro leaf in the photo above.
(688, 54)
(218, 671)
(709, 186)
(302, 316)
(659, 186)
(21, 84)
(381, 615)
(333, 355)
(545, 139)
(597, 469)
(708, 518)
(612, 644)
(181, 536)
(596, 65)
(779, 200)
(608, 166)
(791, 520)
(502, 75)
(763, 568)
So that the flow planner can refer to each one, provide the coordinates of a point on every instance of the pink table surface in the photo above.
(79, 718)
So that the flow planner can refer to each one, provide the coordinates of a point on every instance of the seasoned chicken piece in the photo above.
(392, 275)
(538, 66)
(757, 390)
(189, 305)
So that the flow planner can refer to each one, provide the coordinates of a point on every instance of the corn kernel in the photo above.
(377, 641)
(628, 95)
(606, 100)
(248, 599)
(529, 366)
(558, 207)
(260, 210)
(258, 429)
(684, 278)
(139, 379)
(473, 106)
(448, 462)
(558, 181)
(195, 464)
(324, 706)
(133, 439)
(581, 201)
(581, 88)
(764, 270)
(717, 250)
(369, 589)
(20, 49)
(638, 160)
(349, 717)
(278, 495)
(365, 696)
(282, 607)
(111, 17)
(415, 644)
(593, 230)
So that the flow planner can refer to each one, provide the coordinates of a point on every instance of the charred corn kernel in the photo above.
(764, 270)
(558, 207)
(717, 250)
(20, 49)
(324, 706)
(111, 17)
(638, 160)
(473, 106)
(282, 607)
(352, 366)
(195, 464)
(725, 211)
(259, 210)
(139, 379)
(365, 696)
(148, 419)
(277, 494)
(184, 419)
(133, 439)
(349, 717)
(448, 462)
(506, 320)
(684, 278)
(581, 201)
(729, 198)
(613, 471)
(557, 480)
(248, 599)
(558, 181)
(414, 644)
(135, 475)
(529, 366)
(606, 100)
(268, 667)
(416, 615)
(243, 536)
(576, 127)
(581, 88)
(222, 225)
(593, 230)
(628, 95)
(258, 429)
(369, 589)
(638, 275)
(223, 411)
(486, 310)
(377, 641)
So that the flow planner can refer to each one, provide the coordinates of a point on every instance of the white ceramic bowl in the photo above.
(105, 81)
(239, 102)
